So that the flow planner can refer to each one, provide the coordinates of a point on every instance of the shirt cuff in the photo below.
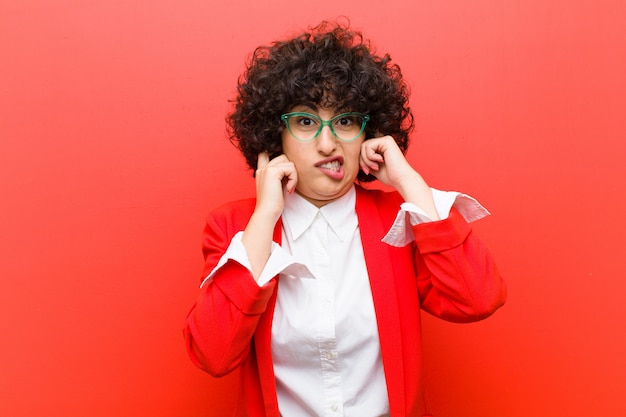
(279, 262)
(401, 232)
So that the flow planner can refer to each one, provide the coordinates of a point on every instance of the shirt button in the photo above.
(334, 407)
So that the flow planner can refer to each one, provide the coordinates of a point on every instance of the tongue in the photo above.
(333, 172)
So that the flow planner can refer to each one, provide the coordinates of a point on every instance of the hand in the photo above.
(271, 176)
(382, 158)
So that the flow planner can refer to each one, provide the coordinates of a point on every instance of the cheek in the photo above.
(295, 151)
(354, 153)
(287, 149)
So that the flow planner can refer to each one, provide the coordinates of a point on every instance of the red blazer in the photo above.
(446, 271)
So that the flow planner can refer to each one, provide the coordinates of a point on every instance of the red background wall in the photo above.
(113, 150)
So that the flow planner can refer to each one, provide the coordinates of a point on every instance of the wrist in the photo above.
(415, 190)
(410, 183)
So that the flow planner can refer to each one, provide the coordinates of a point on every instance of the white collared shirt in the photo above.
(325, 344)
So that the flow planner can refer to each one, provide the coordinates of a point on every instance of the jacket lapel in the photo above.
(382, 282)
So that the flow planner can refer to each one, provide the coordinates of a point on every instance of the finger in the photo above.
(370, 159)
(364, 166)
(291, 177)
(369, 167)
(262, 160)
(373, 149)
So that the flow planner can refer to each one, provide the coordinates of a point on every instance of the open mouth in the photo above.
(333, 167)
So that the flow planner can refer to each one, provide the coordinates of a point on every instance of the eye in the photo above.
(346, 121)
(305, 122)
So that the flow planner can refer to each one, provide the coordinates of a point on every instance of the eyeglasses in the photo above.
(306, 126)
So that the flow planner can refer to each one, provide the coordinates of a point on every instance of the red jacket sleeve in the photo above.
(219, 328)
(457, 276)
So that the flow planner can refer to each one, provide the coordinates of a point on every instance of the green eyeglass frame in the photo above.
(364, 119)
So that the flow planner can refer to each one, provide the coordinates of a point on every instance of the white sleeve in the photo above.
(279, 262)
(401, 233)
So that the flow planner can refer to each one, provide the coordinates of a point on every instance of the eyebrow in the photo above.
(314, 109)
(309, 108)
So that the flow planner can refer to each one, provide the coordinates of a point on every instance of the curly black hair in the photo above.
(329, 66)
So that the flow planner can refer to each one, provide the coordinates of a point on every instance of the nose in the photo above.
(326, 141)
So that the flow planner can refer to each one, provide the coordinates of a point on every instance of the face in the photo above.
(326, 166)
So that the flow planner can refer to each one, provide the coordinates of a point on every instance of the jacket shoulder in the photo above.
(238, 210)
(221, 225)
(223, 222)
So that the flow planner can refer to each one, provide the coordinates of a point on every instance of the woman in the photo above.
(312, 291)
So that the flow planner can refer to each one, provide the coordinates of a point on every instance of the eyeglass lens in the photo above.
(308, 126)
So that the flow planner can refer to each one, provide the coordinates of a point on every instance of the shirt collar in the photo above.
(298, 214)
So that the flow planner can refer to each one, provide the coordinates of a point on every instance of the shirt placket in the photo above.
(326, 337)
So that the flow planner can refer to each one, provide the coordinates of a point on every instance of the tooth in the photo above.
(334, 165)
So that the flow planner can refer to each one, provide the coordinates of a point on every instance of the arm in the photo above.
(270, 177)
(457, 276)
(220, 325)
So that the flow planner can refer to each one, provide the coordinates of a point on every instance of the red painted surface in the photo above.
(113, 149)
